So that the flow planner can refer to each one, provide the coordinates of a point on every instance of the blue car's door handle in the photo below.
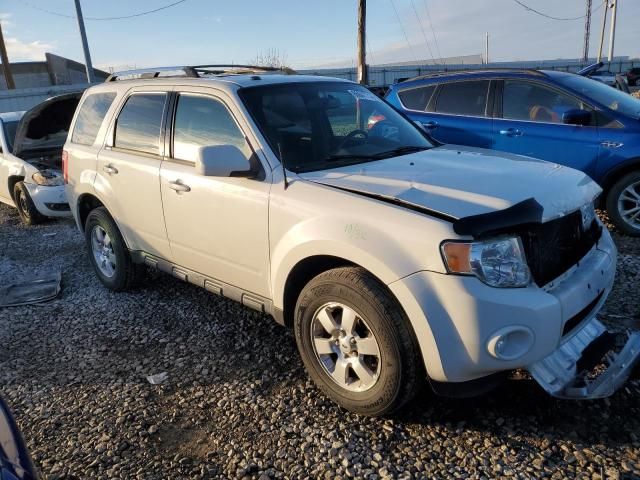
(430, 125)
(511, 132)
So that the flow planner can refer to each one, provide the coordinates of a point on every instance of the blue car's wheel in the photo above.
(623, 204)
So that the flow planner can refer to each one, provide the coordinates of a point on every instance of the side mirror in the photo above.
(223, 161)
(576, 117)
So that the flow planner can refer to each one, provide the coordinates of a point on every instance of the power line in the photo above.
(426, 41)
(404, 31)
(433, 31)
(538, 12)
(140, 14)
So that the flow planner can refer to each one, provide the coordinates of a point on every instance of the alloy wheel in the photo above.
(629, 204)
(346, 347)
(102, 250)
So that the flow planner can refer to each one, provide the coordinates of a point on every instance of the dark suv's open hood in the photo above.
(46, 125)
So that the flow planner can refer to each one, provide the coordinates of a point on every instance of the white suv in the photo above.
(393, 258)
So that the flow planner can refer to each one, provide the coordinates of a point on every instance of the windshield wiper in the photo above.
(350, 156)
(399, 151)
(377, 156)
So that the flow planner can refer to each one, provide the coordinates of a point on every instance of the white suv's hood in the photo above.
(462, 181)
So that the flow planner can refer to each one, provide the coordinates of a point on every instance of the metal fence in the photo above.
(383, 76)
(25, 98)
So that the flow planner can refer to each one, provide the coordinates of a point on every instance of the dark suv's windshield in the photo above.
(314, 126)
(604, 94)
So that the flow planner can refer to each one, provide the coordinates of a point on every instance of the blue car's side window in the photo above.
(536, 103)
(416, 98)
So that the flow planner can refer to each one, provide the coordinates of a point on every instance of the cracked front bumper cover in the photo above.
(560, 373)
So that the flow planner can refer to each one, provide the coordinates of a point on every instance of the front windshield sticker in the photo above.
(363, 95)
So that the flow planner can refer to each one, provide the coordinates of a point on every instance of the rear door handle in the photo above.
(511, 132)
(179, 187)
(430, 125)
(110, 169)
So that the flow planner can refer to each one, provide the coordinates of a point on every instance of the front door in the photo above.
(531, 124)
(216, 226)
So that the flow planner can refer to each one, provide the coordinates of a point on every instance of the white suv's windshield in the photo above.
(604, 94)
(315, 126)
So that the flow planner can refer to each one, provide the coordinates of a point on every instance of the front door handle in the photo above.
(179, 186)
(430, 125)
(110, 169)
(511, 132)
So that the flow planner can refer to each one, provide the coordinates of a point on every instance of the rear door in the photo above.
(461, 113)
(529, 122)
(128, 173)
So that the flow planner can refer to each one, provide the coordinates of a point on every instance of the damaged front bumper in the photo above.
(576, 370)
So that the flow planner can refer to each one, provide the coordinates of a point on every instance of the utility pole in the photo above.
(486, 48)
(6, 68)
(362, 60)
(587, 33)
(85, 44)
(604, 26)
(612, 36)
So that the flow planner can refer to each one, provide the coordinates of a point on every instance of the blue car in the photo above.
(15, 462)
(556, 116)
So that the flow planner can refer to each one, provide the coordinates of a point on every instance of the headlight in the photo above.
(498, 263)
(50, 178)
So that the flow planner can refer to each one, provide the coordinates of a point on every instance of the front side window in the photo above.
(417, 98)
(463, 98)
(90, 117)
(536, 103)
(139, 124)
(202, 121)
(322, 125)
(612, 98)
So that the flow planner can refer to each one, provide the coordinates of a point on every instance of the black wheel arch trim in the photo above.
(614, 174)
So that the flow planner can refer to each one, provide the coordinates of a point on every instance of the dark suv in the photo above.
(556, 116)
(633, 76)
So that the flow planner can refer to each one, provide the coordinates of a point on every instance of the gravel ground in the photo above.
(237, 403)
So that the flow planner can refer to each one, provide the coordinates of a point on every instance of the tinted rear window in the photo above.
(463, 98)
(139, 123)
(90, 117)
(417, 98)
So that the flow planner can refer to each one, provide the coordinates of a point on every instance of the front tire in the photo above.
(108, 253)
(623, 204)
(356, 342)
(27, 210)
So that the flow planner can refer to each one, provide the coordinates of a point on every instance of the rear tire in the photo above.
(108, 253)
(623, 204)
(27, 210)
(356, 342)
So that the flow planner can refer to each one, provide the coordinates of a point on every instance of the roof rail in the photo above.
(479, 71)
(195, 71)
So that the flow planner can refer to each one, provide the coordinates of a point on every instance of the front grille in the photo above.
(554, 247)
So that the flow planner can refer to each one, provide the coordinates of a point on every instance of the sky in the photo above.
(307, 33)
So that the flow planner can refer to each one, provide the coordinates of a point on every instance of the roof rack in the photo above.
(194, 71)
(479, 70)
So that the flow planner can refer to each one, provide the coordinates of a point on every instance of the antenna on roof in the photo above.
(284, 170)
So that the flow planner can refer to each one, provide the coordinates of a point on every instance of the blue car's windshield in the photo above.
(615, 99)
(10, 133)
